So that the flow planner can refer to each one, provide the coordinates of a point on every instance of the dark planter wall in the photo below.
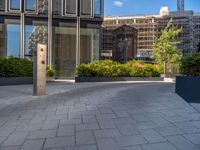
(113, 79)
(188, 88)
(16, 81)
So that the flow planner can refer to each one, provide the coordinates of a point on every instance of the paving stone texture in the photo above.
(98, 116)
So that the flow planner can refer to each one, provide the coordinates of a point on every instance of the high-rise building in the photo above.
(180, 5)
(149, 28)
(25, 23)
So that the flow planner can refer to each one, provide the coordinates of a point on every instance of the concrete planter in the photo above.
(188, 88)
(16, 81)
(115, 79)
(50, 79)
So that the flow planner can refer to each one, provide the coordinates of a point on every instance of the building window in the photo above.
(34, 34)
(42, 6)
(14, 5)
(64, 50)
(86, 8)
(30, 5)
(70, 7)
(2, 5)
(97, 7)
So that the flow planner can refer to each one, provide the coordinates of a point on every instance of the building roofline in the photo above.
(173, 13)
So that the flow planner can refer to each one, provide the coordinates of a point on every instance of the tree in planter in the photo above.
(165, 47)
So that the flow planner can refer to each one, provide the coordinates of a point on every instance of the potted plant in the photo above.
(188, 85)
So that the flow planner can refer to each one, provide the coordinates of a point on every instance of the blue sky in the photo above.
(125, 7)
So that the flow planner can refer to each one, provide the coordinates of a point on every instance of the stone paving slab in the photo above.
(98, 116)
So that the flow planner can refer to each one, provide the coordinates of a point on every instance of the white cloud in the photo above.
(118, 3)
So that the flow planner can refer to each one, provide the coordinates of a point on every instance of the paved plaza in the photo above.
(98, 116)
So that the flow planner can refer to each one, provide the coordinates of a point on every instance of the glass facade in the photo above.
(42, 6)
(64, 51)
(10, 40)
(14, 4)
(2, 5)
(90, 44)
(86, 8)
(30, 5)
(70, 7)
(97, 7)
(34, 34)
(19, 36)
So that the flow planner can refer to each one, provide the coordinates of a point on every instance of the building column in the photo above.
(50, 33)
(22, 24)
(78, 41)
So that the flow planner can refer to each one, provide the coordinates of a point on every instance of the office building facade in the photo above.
(70, 28)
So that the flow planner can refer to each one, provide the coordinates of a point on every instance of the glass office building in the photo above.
(56, 23)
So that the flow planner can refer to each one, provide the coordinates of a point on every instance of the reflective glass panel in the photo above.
(64, 51)
(14, 4)
(43, 6)
(86, 7)
(57, 7)
(89, 44)
(30, 5)
(33, 36)
(2, 4)
(97, 7)
(13, 40)
(70, 7)
(3, 40)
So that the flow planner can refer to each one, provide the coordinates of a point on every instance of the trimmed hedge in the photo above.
(108, 68)
(190, 66)
(15, 67)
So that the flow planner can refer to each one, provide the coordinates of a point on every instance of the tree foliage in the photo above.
(165, 47)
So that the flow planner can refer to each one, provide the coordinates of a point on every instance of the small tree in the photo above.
(165, 47)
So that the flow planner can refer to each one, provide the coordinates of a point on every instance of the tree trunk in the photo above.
(165, 69)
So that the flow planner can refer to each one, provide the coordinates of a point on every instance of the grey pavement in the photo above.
(98, 116)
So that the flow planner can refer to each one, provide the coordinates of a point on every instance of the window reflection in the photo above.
(3, 40)
(30, 5)
(86, 7)
(43, 6)
(15, 4)
(97, 7)
(70, 7)
(33, 36)
(13, 40)
(64, 51)
(89, 44)
(2, 4)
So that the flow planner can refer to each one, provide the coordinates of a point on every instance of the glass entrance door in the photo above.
(64, 51)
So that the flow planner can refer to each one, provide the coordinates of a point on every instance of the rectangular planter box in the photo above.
(16, 81)
(115, 79)
(188, 88)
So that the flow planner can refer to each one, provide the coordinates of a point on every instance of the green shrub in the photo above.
(190, 65)
(108, 68)
(49, 72)
(15, 67)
